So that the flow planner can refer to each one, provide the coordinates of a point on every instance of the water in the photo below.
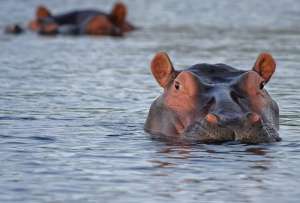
(72, 108)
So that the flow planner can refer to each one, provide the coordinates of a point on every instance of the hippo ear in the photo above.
(162, 69)
(265, 66)
(42, 12)
(119, 13)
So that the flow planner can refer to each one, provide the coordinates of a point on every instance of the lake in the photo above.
(72, 109)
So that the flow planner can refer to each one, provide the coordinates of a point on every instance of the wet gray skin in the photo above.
(214, 103)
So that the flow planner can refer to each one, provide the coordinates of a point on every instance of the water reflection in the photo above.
(256, 151)
(213, 169)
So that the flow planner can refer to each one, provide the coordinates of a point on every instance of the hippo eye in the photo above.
(177, 85)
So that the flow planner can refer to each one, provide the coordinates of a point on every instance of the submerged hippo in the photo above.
(91, 22)
(213, 103)
(78, 22)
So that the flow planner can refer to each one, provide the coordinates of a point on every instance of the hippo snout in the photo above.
(233, 121)
(249, 129)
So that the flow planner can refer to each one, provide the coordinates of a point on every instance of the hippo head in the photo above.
(214, 103)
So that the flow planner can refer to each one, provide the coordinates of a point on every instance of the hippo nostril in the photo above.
(212, 118)
(253, 118)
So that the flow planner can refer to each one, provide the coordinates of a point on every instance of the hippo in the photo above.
(79, 22)
(90, 22)
(214, 103)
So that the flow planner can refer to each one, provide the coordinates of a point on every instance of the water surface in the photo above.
(72, 109)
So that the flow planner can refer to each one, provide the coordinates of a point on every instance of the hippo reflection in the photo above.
(214, 103)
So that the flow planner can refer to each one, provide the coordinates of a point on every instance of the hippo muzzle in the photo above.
(250, 130)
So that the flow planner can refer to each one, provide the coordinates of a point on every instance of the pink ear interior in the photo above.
(119, 13)
(42, 12)
(265, 66)
(162, 69)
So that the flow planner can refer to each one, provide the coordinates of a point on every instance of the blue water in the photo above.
(72, 108)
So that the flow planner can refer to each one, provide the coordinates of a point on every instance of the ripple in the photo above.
(42, 138)
(29, 118)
